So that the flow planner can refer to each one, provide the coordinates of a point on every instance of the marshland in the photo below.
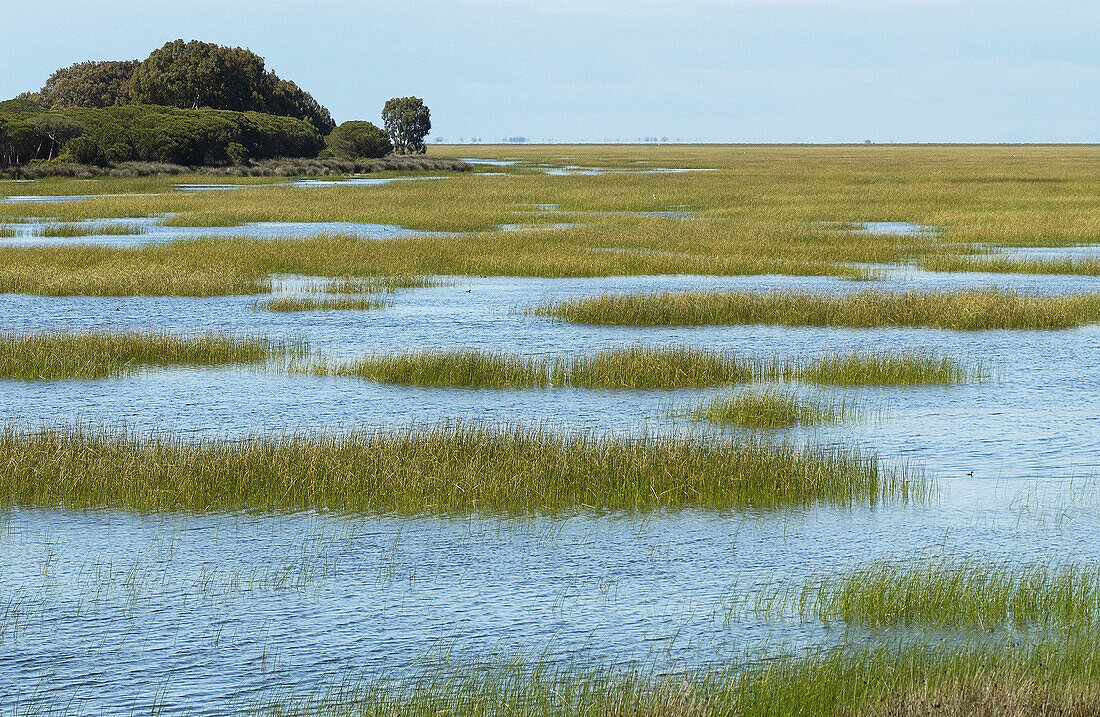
(716, 442)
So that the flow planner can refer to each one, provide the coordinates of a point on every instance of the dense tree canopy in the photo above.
(357, 140)
(88, 84)
(201, 74)
(407, 122)
(153, 133)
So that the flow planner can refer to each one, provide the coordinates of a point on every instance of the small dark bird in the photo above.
(970, 474)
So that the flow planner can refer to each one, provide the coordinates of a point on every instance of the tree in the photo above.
(88, 84)
(407, 122)
(56, 129)
(201, 74)
(356, 139)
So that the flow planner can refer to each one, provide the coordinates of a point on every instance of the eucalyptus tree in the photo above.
(407, 121)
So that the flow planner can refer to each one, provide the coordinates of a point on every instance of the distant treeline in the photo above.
(151, 133)
(189, 103)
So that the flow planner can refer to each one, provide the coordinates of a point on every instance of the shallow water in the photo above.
(99, 611)
(106, 609)
(152, 230)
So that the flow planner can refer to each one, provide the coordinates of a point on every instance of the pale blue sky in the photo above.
(596, 70)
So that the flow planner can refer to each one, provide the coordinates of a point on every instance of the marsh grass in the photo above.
(910, 368)
(463, 368)
(306, 302)
(761, 212)
(635, 367)
(7, 231)
(1052, 676)
(657, 367)
(346, 294)
(82, 230)
(772, 408)
(970, 310)
(380, 284)
(951, 593)
(641, 367)
(88, 355)
(443, 470)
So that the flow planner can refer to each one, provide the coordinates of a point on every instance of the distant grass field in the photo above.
(444, 470)
(763, 210)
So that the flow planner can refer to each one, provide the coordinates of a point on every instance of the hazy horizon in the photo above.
(711, 71)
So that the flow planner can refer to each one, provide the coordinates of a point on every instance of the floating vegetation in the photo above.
(772, 409)
(861, 368)
(88, 355)
(448, 469)
(970, 309)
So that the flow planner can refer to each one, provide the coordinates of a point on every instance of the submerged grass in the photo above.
(448, 469)
(88, 355)
(640, 367)
(772, 409)
(971, 309)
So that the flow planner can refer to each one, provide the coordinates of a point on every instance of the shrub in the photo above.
(358, 140)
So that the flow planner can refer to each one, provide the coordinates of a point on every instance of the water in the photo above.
(144, 231)
(101, 610)
(356, 181)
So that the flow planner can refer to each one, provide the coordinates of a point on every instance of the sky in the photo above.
(622, 70)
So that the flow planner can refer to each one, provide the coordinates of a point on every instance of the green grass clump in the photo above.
(450, 469)
(379, 284)
(6, 231)
(464, 368)
(55, 355)
(960, 594)
(311, 303)
(643, 367)
(970, 309)
(911, 368)
(84, 230)
(640, 367)
(771, 409)
(634, 367)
